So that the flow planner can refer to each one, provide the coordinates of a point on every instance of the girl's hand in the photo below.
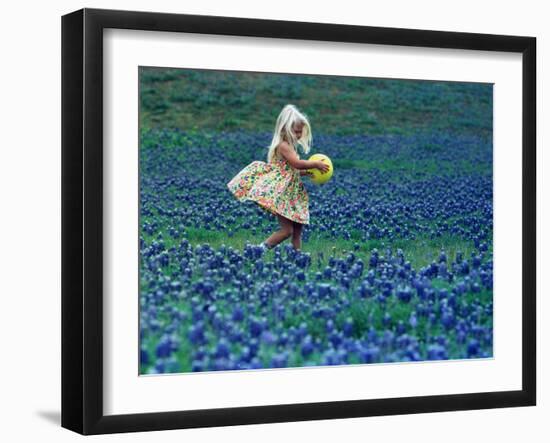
(322, 166)
(305, 172)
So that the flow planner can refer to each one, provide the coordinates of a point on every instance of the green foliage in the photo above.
(227, 100)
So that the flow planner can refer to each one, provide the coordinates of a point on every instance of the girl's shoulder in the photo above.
(285, 145)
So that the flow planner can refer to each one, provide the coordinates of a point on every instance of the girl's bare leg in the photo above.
(297, 235)
(282, 234)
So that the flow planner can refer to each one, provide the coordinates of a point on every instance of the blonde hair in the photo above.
(283, 126)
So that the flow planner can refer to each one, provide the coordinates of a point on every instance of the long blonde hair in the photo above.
(283, 126)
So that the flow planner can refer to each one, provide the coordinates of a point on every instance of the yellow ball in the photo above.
(317, 176)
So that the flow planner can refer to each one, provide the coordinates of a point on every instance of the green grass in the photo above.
(225, 100)
(420, 251)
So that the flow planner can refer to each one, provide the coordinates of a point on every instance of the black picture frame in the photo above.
(82, 215)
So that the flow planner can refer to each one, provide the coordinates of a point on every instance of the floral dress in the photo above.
(275, 186)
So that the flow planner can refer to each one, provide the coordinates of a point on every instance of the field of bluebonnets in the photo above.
(396, 264)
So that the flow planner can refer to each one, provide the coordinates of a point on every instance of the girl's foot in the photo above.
(265, 246)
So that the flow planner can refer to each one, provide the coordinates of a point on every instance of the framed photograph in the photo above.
(268, 221)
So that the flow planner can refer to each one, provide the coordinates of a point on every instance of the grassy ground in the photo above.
(420, 252)
(226, 100)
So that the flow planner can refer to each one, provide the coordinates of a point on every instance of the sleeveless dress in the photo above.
(275, 186)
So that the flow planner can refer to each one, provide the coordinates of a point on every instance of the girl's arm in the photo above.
(290, 155)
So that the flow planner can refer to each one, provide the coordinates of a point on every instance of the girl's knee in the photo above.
(288, 231)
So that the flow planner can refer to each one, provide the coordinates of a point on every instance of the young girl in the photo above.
(276, 185)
